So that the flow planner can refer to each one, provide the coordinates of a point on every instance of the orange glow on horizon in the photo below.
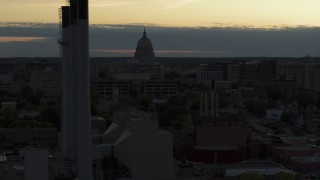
(6, 39)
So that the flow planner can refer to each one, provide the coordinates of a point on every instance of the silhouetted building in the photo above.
(46, 81)
(306, 75)
(218, 72)
(144, 51)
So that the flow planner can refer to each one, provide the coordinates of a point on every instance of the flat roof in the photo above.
(311, 159)
(215, 147)
(234, 169)
(299, 148)
(266, 171)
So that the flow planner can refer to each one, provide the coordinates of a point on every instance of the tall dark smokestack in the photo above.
(67, 120)
(82, 93)
(65, 16)
(83, 12)
(73, 11)
(76, 92)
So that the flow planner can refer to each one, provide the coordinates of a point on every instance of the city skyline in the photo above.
(109, 40)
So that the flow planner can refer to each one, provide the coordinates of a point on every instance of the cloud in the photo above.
(116, 51)
(45, 3)
(265, 27)
(180, 3)
(188, 52)
(7, 39)
(109, 3)
(42, 3)
(131, 51)
(121, 40)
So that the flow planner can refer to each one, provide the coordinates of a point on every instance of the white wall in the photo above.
(36, 164)
(147, 152)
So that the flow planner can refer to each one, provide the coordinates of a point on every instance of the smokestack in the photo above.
(76, 93)
(73, 11)
(82, 102)
(217, 104)
(73, 86)
(83, 9)
(201, 104)
(65, 17)
(66, 86)
(212, 103)
(206, 104)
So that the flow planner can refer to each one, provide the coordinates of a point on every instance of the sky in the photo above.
(174, 12)
(176, 27)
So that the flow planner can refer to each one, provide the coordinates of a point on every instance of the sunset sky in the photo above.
(191, 28)
(211, 13)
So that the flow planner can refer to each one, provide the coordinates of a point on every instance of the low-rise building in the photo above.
(48, 82)
(35, 137)
(135, 140)
(305, 164)
(283, 155)
(5, 105)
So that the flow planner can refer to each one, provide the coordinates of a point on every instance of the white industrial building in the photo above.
(135, 140)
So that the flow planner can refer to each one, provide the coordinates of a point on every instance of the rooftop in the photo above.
(216, 147)
(312, 159)
(299, 148)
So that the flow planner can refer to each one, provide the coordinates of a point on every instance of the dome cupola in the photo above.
(144, 50)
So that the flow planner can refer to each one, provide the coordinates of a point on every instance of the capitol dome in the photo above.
(144, 50)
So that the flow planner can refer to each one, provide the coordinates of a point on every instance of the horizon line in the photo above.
(152, 25)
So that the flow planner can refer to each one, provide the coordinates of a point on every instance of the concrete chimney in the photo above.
(206, 104)
(212, 103)
(201, 104)
(217, 104)
(82, 102)
(76, 93)
(67, 123)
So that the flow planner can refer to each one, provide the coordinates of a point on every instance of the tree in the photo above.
(172, 75)
(133, 93)
(297, 131)
(179, 122)
(94, 96)
(178, 101)
(304, 98)
(94, 109)
(146, 103)
(195, 106)
(167, 113)
(224, 102)
(107, 113)
(285, 176)
(30, 123)
(286, 117)
(251, 176)
(9, 114)
(36, 97)
(192, 75)
(273, 93)
(50, 114)
(256, 106)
